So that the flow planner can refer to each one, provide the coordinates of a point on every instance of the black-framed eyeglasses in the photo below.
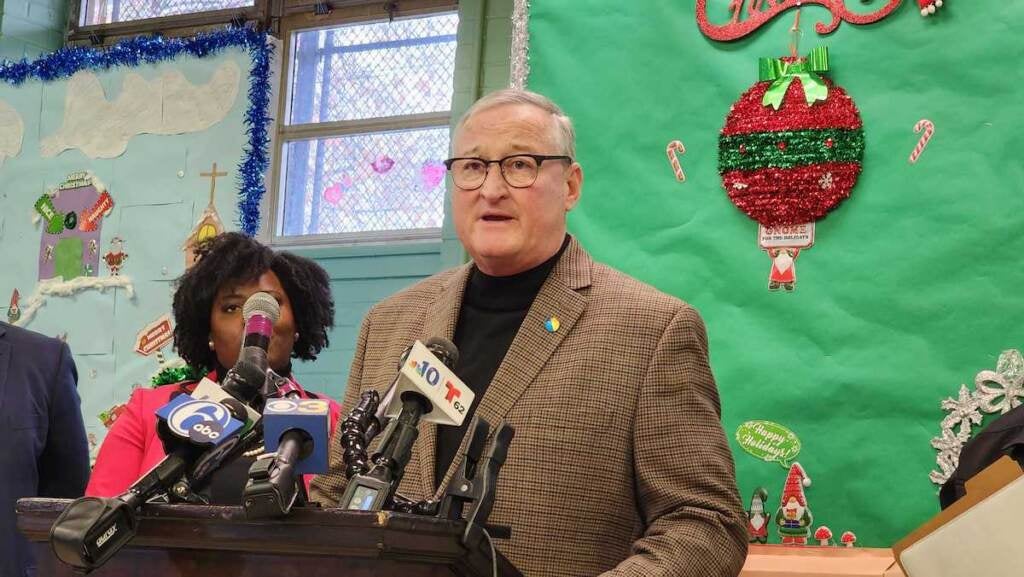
(518, 170)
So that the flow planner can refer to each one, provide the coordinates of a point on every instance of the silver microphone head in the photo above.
(263, 304)
(444, 350)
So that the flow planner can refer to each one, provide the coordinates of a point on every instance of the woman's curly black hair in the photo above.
(232, 258)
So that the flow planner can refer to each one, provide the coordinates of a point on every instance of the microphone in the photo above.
(364, 422)
(296, 431)
(209, 390)
(426, 369)
(199, 434)
(91, 529)
(260, 312)
(250, 381)
(247, 381)
(425, 389)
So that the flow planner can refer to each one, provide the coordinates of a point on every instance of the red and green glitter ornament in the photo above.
(792, 146)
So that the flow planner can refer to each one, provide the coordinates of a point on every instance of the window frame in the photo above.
(284, 133)
(260, 12)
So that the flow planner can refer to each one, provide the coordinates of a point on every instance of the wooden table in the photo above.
(814, 561)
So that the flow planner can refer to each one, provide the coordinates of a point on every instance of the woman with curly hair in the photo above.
(208, 333)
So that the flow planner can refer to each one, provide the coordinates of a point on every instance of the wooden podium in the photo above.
(191, 540)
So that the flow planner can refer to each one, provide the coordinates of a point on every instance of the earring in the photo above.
(211, 344)
(296, 335)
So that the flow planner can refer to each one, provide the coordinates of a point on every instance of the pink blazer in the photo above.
(132, 447)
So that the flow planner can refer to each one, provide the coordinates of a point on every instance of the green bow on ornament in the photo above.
(783, 73)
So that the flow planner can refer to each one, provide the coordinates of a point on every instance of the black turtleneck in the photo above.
(493, 308)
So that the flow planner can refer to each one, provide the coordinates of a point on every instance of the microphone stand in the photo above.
(272, 488)
(374, 491)
(357, 430)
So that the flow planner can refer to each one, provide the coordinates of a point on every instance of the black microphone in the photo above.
(440, 347)
(416, 394)
(247, 381)
(91, 529)
(364, 422)
(296, 437)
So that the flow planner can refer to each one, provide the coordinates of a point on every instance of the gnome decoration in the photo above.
(929, 6)
(757, 517)
(783, 272)
(794, 517)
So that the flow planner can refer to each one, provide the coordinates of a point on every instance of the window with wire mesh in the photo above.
(385, 89)
(109, 11)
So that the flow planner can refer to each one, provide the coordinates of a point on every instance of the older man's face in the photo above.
(509, 230)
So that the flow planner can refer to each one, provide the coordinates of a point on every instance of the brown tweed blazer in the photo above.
(619, 461)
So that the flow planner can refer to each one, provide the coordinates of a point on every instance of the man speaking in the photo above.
(619, 463)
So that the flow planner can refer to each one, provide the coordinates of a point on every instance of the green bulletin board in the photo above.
(913, 285)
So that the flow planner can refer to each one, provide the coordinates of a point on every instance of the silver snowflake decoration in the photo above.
(995, 391)
(1002, 389)
(825, 182)
(949, 446)
(963, 413)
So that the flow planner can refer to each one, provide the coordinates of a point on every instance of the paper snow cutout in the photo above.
(12, 130)
(168, 104)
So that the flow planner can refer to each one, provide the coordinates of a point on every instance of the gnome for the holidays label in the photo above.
(783, 245)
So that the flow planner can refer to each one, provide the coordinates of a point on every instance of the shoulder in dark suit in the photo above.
(45, 449)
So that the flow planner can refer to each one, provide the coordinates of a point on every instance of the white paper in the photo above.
(979, 542)
(12, 129)
(169, 104)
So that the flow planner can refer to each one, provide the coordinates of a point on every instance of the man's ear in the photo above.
(574, 182)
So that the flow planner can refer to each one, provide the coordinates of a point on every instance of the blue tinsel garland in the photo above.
(151, 49)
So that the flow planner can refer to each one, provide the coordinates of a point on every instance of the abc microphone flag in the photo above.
(201, 421)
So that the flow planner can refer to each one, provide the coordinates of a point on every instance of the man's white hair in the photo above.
(565, 135)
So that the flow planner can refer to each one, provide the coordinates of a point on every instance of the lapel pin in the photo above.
(551, 325)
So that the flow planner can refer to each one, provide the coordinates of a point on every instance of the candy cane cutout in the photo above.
(671, 150)
(929, 129)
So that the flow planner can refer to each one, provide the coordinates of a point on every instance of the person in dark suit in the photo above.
(45, 451)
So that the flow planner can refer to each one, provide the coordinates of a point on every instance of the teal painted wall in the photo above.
(158, 196)
(30, 27)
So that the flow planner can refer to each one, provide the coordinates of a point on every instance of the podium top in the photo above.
(334, 533)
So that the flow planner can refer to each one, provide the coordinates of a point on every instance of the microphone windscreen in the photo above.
(263, 304)
(444, 350)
